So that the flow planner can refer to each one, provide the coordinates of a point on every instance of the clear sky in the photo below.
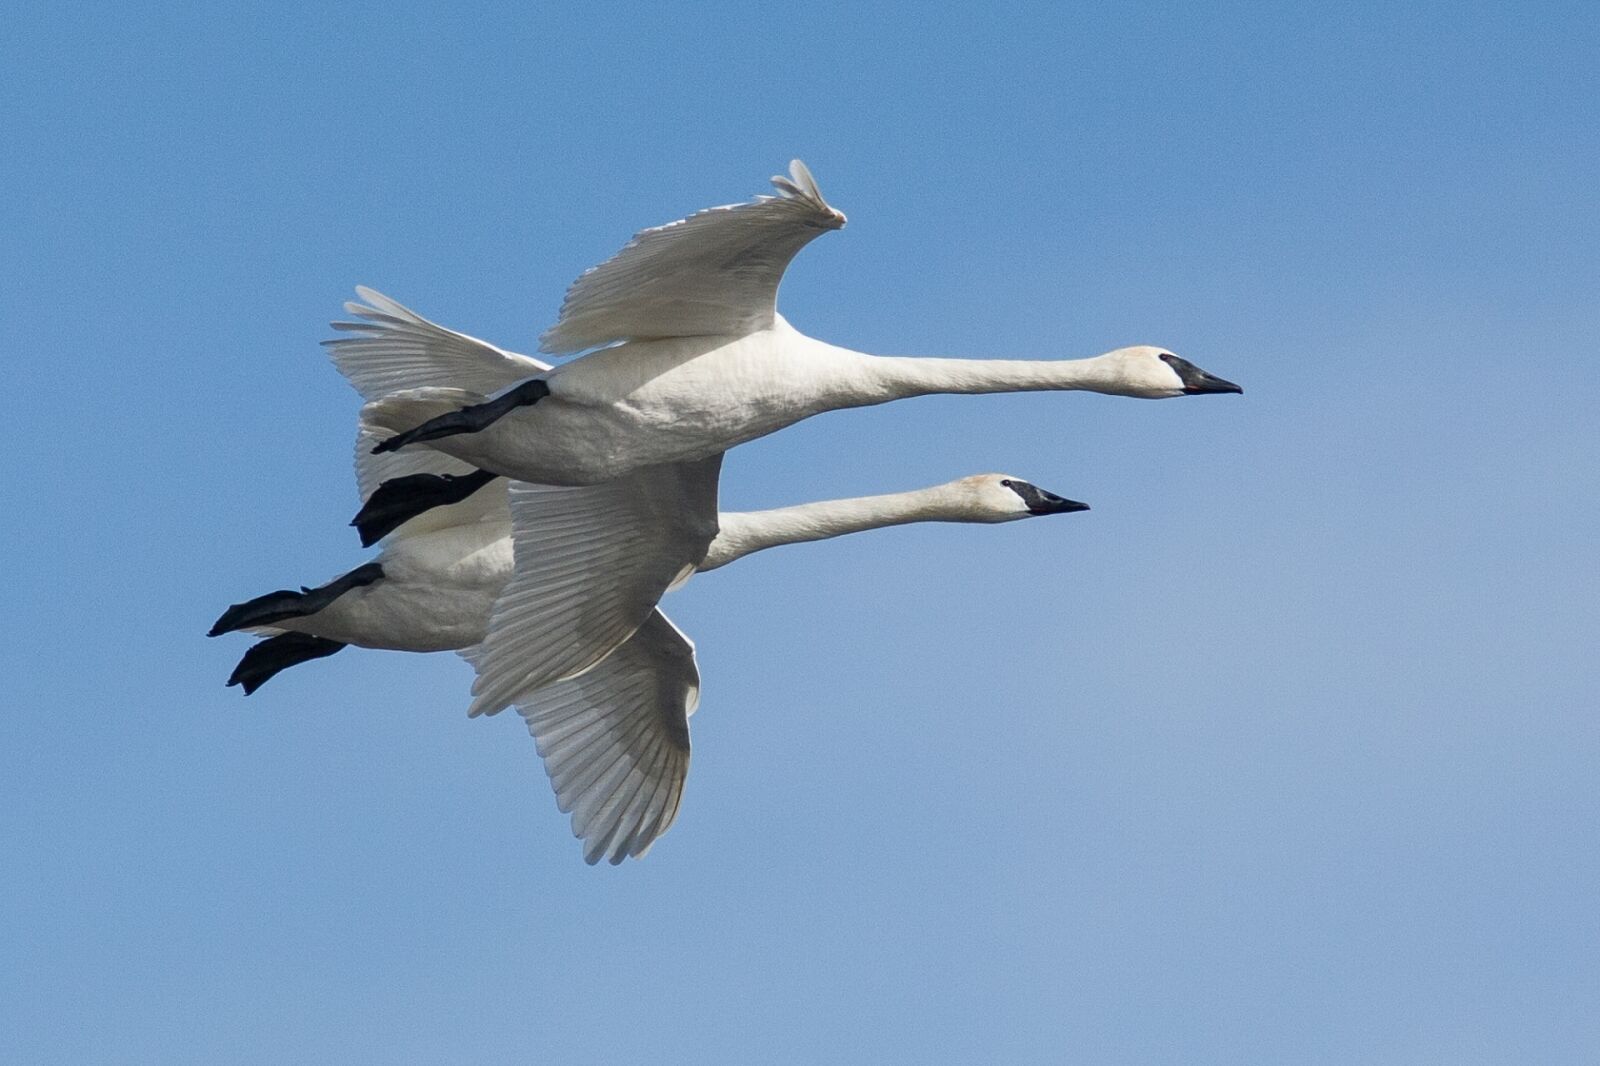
(1283, 753)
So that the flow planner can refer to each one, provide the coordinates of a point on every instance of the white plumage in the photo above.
(714, 273)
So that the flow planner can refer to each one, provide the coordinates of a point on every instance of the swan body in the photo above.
(645, 403)
(436, 593)
(692, 358)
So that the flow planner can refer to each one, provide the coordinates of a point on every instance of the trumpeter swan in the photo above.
(615, 738)
(692, 358)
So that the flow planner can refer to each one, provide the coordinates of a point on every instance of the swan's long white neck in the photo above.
(744, 532)
(911, 376)
(862, 380)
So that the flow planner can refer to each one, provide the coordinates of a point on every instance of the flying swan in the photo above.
(614, 739)
(692, 358)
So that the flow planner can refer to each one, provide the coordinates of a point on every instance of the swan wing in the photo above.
(713, 273)
(592, 561)
(615, 740)
(391, 348)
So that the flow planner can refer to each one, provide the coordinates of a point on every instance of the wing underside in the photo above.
(615, 740)
(713, 273)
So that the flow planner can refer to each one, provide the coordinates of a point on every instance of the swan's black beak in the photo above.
(1041, 502)
(1197, 382)
(1203, 383)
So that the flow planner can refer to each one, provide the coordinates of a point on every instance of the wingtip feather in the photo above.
(801, 185)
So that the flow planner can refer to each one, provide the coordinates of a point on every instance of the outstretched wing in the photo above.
(615, 740)
(393, 348)
(592, 563)
(715, 272)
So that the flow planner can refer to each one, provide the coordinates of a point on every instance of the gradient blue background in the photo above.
(1283, 753)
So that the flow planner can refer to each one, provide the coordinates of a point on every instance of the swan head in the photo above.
(1155, 373)
(1003, 498)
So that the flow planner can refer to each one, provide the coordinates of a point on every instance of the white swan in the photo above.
(615, 738)
(693, 359)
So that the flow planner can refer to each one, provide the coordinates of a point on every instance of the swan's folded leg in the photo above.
(398, 500)
(471, 419)
(268, 657)
(286, 603)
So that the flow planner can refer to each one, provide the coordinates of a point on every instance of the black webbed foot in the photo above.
(399, 500)
(286, 603)
(470, 419)
(275, 654)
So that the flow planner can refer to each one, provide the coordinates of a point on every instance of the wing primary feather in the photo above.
(615, 740)
(713, 273)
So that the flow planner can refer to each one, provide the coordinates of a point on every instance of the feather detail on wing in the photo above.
(713, 273)
(615, 740)
(592, 562)
(394, 348)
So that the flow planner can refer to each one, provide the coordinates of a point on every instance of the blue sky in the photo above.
(1284, 752)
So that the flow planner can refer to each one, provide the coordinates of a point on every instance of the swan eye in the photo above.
(1007, 483)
